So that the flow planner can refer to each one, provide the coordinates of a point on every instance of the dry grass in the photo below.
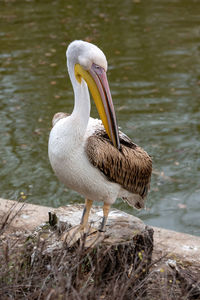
(30, 269)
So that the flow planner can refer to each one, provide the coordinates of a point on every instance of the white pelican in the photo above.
(89, 156)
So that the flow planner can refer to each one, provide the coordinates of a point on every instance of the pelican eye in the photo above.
(96, 66)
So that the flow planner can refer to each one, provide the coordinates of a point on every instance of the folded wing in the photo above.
(130, 166)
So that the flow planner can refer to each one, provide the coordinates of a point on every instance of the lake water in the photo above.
(153, 52)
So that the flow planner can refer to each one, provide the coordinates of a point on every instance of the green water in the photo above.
(153, 53)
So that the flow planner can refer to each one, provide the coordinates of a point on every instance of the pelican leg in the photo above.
(76, 232)
(86, 212)
(106, 208)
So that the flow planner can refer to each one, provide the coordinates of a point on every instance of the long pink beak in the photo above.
(100, 78)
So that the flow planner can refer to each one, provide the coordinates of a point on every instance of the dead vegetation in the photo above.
(30, 268)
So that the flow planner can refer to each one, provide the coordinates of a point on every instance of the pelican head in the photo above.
(89, 63)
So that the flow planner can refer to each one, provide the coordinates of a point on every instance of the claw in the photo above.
(79, 233)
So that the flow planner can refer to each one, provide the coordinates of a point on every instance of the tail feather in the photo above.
(135, 201)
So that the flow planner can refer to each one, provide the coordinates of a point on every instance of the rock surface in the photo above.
(176, 245)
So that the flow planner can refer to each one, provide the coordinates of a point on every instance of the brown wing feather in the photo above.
(130, 167)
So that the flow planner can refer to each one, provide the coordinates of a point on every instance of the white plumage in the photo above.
(71, 165)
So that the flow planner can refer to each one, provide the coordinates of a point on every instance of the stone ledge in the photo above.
(175, 245)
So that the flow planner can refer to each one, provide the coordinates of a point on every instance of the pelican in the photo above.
(92, 156)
